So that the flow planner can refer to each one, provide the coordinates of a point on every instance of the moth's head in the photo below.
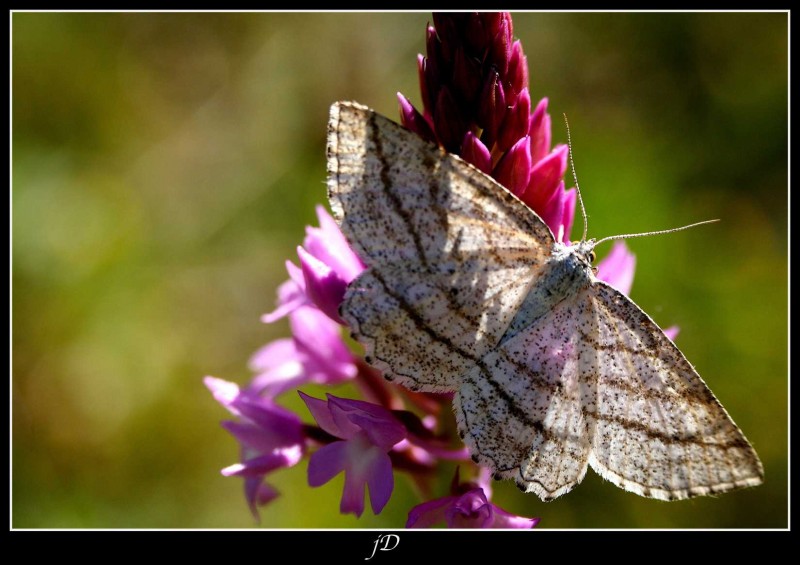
(585, 250)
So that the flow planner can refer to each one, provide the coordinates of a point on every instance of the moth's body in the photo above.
(566, 273)
(553, 370)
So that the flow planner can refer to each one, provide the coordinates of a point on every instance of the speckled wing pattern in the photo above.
(451, 256)
(596, 382)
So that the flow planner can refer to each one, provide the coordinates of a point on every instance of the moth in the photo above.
(467, 290)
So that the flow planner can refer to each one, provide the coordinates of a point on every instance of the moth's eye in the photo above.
(592, 256)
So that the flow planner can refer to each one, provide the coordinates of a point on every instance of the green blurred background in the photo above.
(164, 167)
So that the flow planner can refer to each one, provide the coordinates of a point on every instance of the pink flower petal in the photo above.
(325, 357)
(291, 295)
(224, 392)
(618, 267)
(273, 355)
(276, 381)
(328, 244)
(551, 212)
(672, 332)
(503, 519)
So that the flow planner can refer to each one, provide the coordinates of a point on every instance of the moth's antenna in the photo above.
(629, 235)
(578, 188)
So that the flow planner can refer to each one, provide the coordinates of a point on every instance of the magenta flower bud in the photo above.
(476, 153)
(517, 68)
(515, 125)
(568, 213)
(545, 177)
(466, 77)
(500, 47)
(447, 35)
(559, 212)
(491, 107)
(475, 35)
(491, 22)
(514, 169)
(413, 120)
(427, 104)
(540, 131)
(448, 122)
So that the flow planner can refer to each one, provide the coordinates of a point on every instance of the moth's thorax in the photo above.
(573, 260)
(565, 273)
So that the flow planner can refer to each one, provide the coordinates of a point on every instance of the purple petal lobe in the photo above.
(381, 431)
(327, 462)
(263, 464)
(380, 481)
(319, 410)
(470, 510)
(258, 493)
(429, 513)
(503, 519)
